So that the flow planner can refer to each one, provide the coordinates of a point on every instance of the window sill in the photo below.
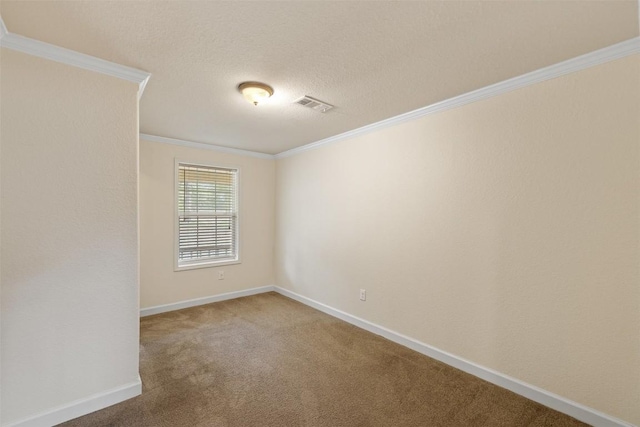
(205, 265)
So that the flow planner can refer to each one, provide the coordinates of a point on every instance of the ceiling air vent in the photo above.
(307, 101)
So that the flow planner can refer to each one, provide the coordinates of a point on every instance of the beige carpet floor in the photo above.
(267, 360)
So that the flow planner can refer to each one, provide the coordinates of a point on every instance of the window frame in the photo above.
(176, 221)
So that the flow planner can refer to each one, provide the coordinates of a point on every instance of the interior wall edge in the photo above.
(83, 119)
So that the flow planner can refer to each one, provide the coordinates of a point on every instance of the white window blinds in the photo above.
(207, 214)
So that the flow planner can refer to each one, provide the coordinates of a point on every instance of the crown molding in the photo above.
(611, 53)
(204, 146)
(73, 58)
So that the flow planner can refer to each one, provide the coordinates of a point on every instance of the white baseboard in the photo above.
(205, 300)
(551, 400)
(81, 407)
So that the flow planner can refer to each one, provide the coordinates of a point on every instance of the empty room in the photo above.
(320, 213)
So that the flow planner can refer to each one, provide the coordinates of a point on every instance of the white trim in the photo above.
(206, 264)
(559, 403)
(76, 59)
(81, 407)
(149, 311)
(551, 400)
(204, 146)
(613, 52)
(601, 56)
(3, 28)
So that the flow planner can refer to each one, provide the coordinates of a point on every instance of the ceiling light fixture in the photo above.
(255, 92)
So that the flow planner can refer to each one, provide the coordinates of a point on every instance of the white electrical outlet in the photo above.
(363, 295)
(221, 275)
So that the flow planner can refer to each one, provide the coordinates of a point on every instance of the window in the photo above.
(207, 217)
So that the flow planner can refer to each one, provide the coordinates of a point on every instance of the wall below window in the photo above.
(505, 232)
(69, 252)
(159, 283)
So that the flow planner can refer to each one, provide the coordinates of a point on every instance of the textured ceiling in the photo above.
(372, 60)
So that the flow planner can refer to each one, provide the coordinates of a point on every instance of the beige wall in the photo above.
(505, 232)
(69, 234)
(159, 284)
